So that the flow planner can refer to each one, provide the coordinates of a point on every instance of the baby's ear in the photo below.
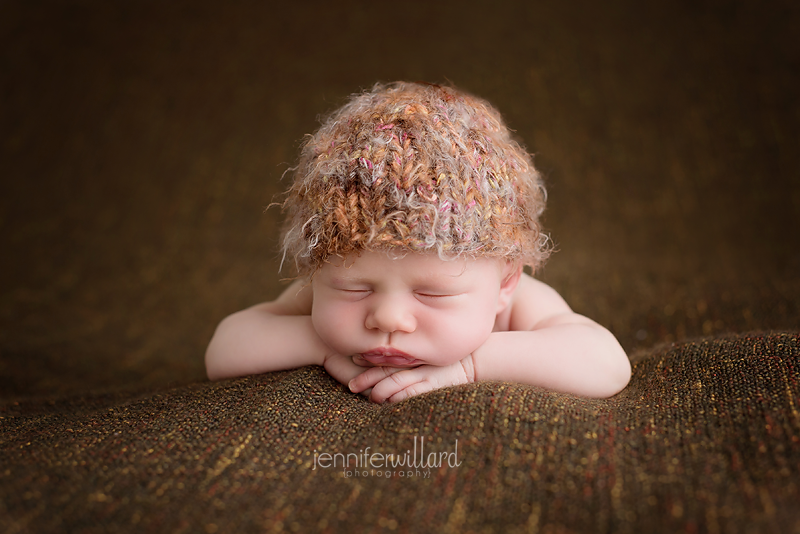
(512, 271)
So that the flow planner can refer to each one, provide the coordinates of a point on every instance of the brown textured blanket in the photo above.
(140, 143)
(705, 438)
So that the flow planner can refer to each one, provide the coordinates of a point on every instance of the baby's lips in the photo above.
(389, 358)
(360, 360)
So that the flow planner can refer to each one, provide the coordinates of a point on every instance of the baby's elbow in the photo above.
(213, 368)
(616, 373)
(616, 380)
(216, 354)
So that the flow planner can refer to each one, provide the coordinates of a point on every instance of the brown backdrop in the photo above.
(140, 143)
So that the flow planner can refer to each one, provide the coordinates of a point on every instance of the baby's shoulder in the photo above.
(534, 301)
(296, 299)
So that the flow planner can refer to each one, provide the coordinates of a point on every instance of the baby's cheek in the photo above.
(472, 334)
(332, 325)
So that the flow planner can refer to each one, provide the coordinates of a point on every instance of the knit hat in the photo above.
(415, 167)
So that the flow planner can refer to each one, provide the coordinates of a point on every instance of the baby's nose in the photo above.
(390, 315)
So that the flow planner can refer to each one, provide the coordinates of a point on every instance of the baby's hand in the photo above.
(343, 368)
(394, 384)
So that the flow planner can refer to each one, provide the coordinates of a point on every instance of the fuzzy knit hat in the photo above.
(415, 167)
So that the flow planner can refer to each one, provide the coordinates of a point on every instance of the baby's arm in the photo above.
(271, 336)
(549, 345)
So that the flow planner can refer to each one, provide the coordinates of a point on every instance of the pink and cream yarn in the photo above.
(414, 167)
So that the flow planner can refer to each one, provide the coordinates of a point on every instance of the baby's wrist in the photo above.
(468, 364)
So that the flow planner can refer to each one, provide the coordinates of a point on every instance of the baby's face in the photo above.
(408, 311)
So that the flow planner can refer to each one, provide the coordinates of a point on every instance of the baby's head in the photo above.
(410, 167)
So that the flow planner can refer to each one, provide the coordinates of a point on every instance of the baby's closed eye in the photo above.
(434, 298)
(354, 293)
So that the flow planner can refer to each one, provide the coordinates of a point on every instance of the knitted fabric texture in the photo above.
(414, 167)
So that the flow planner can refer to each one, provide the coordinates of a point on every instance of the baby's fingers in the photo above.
(400, 385)
(369, 378)
(411, 391)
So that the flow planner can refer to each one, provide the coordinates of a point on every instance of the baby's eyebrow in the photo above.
(443, 276)
(346, 280)
(439, 281)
